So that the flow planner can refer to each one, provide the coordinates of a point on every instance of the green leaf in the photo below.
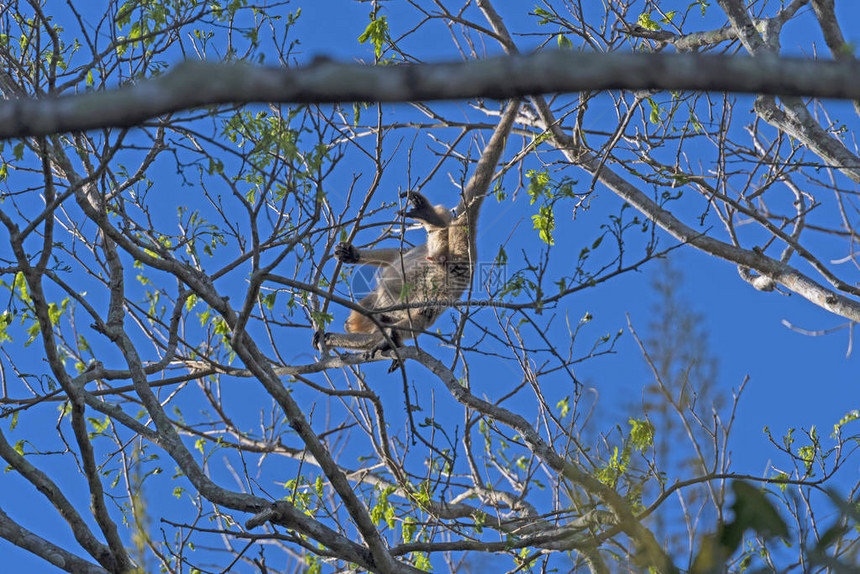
(269, 300)
(538, 182)
(647, 22)
(408, 529)
(614, 469)
(5, 321)
(322, 320)
(376, 33)
(56, 311)
(421, 562)
(563, 406)
(221, 327)
(123, 16)
(754, 511)
(33, 331)
(641, 434)
(99, 426)
(546, 16)
(781, 476)
(654, 116)
(21, 285)
(544, 223)
(850, 416)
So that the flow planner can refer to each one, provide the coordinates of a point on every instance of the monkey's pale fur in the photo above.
(429, 277)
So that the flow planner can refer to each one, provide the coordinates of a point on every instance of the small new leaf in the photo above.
(647, 22)
(376, 33)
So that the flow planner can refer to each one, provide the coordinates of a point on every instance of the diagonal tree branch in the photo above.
(59, 557)
(82, 533)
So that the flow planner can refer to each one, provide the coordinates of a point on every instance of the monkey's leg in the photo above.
(352, 341)
(371, 343)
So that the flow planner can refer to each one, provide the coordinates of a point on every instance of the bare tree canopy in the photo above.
(542, 393)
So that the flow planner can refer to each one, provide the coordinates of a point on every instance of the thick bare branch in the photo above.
(194, 84)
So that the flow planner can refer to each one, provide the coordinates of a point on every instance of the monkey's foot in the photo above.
(346, 252)
(394, 340)
(371, 354)
(320, 340)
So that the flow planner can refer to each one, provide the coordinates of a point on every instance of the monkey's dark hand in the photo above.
(346, 252)
(422, 210)
(417, 200)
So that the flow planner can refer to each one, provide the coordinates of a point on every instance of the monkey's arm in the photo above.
(349, 253)
(479, 183)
